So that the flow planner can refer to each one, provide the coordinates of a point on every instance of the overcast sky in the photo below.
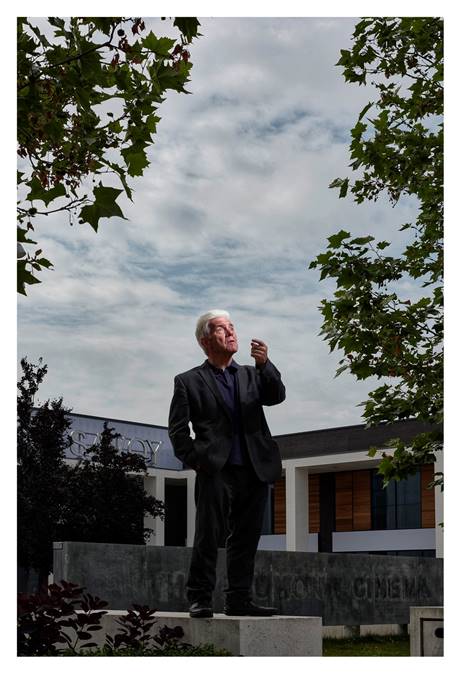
(233, 207)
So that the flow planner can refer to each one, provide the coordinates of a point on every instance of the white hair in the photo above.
(202, 329)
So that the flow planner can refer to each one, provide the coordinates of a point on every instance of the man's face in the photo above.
(222, 338)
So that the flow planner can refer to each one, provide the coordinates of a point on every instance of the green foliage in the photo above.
(88, 92)
(369, 646)
(108, 503)
(396, 148)
(42, 475)
(100, 499)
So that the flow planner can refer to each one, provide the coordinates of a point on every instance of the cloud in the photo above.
(231, 210)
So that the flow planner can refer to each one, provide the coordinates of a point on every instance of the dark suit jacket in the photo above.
(197, 399)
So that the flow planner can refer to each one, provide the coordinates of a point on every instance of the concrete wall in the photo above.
(426, 631)
(345, 589)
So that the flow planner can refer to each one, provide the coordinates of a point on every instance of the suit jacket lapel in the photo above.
(242, 383)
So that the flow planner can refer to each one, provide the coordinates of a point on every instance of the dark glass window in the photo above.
(398, 506)
(415, 553)
(175, 512)
(402, 553)
(269, 517)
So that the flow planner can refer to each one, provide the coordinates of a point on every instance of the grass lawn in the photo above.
(367, 646)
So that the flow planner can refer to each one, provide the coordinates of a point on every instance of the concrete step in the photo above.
(246, 635)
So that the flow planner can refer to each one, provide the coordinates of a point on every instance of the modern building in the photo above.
(329, 499)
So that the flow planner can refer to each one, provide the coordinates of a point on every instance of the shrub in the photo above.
(183, 650)
(45, 619)
(65, 614)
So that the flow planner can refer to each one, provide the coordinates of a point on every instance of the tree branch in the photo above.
(88, 51)
(68, 207)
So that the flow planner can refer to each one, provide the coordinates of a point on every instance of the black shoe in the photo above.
(200, 609)
(248, 608)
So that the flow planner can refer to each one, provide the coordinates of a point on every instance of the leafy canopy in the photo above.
(42, 474)
(88, 93)
(396, 150)
(100, 499)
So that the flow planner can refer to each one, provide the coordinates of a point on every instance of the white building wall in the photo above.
(154, 484)
(438, 468)
(361, 541)
(389, 539)
(297, 508)
(279, 542)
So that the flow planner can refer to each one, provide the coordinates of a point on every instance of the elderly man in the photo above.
(234, 456)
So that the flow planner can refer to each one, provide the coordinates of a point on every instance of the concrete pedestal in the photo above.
(249, 636)
(426, 631)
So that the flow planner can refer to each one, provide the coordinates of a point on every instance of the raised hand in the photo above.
(259, 351)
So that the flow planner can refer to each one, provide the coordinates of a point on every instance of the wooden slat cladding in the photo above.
(344, 502)
(279, 507)
(361, 498)
(314, 503)
(427, 497)
(353, 500)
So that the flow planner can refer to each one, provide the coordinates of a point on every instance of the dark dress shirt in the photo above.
(228, 387)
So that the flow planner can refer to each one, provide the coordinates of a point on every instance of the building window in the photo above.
(175, 512)
(268, 522)
(398, 506)
(401, 553)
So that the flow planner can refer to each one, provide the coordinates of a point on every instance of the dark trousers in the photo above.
(230, 508)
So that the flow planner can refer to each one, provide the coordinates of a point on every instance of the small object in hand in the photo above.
(259, 352)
